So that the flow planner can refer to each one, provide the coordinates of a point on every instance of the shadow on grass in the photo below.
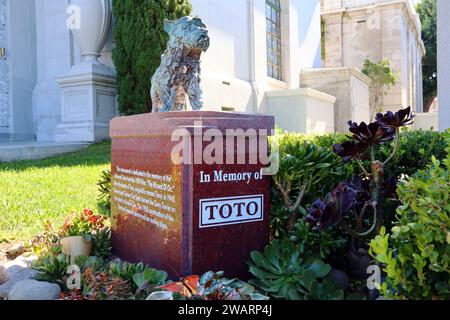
(96, 154)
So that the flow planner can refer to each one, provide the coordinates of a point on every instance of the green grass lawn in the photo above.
(32, 192)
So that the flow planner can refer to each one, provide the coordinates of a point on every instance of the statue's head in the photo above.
(188, 32)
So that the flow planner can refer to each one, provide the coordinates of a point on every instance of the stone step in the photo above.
(31, 150)
(7, 137)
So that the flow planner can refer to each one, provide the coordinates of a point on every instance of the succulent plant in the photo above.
(282, 273)
(101, 243)
(338, 203)
(396, 120)
(52, 269)
(214, 286)
(148, 280)
(349, 150)
(210, 286)
(365, 193)
(372, 134)
(103, 286)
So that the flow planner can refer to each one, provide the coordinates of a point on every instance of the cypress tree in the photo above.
(140, 40)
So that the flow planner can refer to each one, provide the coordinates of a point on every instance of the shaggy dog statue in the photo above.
(179, 72)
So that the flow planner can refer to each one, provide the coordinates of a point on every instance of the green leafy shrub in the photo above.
(282, 273)
(416, 254)
(415, 151)
(104, 188)
(140, 40)
(305, 170)
(316, 242)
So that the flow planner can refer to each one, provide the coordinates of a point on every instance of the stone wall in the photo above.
(426, 121)
(338, 4)
(349, 86)
(356, 30)
(302, 110)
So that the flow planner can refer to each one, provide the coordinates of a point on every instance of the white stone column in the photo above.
(4, 69)
(89, 91)
(443, 48)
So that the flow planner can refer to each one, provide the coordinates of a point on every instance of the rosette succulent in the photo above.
(396, 120)
(282, 272)
(365, 193)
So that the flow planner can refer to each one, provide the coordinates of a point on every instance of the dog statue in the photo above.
(179, 72)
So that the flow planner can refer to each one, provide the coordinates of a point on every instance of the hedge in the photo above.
(140, 40)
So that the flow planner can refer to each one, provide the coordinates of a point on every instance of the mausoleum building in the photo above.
(378, 30)
(265, 56)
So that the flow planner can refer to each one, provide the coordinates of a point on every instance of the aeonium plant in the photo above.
(356, 204)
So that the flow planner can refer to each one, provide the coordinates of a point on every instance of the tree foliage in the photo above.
(140, 40)
(383, 77)
(427, 10)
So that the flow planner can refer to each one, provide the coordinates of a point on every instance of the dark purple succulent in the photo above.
(390, 188)
(349, 150)
(315, 212)
(396, 120)
(372, 134)
(339, 202)
(362, 188)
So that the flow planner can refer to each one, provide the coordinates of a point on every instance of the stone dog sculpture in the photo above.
(179, 72)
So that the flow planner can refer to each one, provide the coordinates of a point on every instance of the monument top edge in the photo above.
(151, 124)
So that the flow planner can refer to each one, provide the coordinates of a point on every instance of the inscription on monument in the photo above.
(147, 196)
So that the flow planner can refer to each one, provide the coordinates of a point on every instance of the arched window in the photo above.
(273, 19)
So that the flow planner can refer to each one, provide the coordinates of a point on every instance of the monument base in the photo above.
(191, 216)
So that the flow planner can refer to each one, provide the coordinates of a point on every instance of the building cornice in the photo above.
(334, 72)
(306, 92)
(404, 5)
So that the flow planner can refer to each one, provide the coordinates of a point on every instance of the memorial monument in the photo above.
(189, 193)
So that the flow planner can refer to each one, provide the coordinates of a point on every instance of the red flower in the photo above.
(88, 212)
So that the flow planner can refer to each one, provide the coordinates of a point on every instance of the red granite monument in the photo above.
(175, 205)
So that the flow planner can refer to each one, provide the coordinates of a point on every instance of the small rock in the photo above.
(25, 274)
(3, 277)
(18, 265)
(34, 290)
(15, 271)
